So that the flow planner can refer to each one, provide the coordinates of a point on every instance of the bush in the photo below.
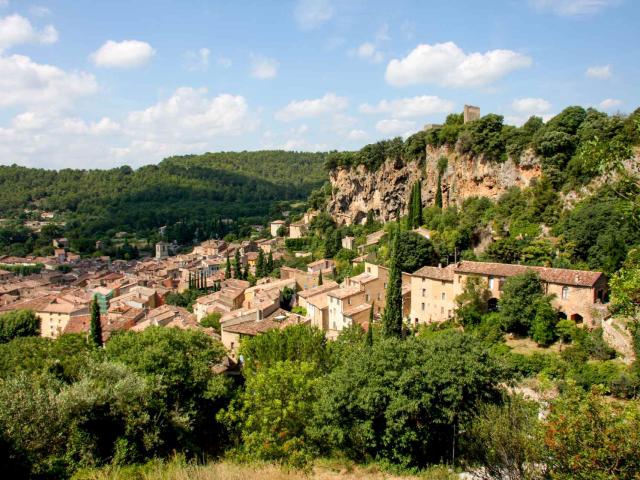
(270, 416)
(19, 323)
(590, 437)
(401, 401)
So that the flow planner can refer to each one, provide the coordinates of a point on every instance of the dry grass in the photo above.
(526, 346)
(324, 470)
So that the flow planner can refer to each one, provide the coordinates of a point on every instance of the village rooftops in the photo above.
(325, 287)
(253, 326)
(363, 278)
(436, 273)
(579, 278)
(345, 292)
(357, 309)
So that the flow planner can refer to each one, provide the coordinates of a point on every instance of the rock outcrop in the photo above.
(356, 191)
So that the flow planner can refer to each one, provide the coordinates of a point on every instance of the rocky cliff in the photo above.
(356, 191)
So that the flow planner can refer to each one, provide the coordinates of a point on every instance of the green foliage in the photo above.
(181, 362)
(185, 299)
(401, 400)
(295, 343)
(414, 251)
(212, 321)
(544, 323)
(190, 195)
(506, 440)
(625, 287)
(270, 416)
(95, 327)
(589, 437)
(519, 301)
(18, 323)
(392, 315)
(65, 357)
(484, 137)
(414, 217)
(471, 304)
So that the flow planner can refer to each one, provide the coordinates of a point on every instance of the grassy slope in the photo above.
(323, 470)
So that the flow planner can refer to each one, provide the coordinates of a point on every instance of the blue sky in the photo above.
(93, 84)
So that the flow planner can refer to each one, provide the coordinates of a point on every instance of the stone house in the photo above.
(577, 295)
(315, 301)
(275, 226)
(297, 230)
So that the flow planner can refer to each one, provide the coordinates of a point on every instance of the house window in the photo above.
(385, 284)
(367, 297)
(379, 296)
(424, 292)
(443, 296)
(349, 301)
(490, 283)
(442, 310)
(565, 293)
(368, 269)
(423, 307)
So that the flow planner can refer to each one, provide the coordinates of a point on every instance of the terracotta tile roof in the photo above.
(254, 327)
(357, 309)
(345, 292)
(579, 278)
(436, 273)
(325, 287)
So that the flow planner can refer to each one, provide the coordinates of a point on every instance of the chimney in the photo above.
(439, 265)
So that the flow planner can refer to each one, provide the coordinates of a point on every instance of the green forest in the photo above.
(191, 195)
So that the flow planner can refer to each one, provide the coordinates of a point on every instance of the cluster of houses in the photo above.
(132, 294)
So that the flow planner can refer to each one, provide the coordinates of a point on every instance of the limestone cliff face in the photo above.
(386, 191)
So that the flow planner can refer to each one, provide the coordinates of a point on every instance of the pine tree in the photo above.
(392, 316)
(320, 278)
(95, 328)
(369, 338)
(227, 272)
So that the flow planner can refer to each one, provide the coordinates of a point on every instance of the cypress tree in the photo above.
(95, 328)
(418, 205)
(227, 272)
(369, 338)
(245, 274)
(260, 265)
(237, 269)
(270, 265)
(411, 204)
(392, 316)
(320, 278)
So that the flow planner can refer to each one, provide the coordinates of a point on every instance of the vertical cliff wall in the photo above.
(385, 191)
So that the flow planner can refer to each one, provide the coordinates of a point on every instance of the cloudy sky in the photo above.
(95, 84)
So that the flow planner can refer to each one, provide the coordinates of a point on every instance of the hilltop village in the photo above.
(134, 295)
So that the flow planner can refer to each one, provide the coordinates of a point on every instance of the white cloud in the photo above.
(189, 121)
(393, 126)
(419, 106)
(39, 11)
(197, 61)
(610, 104)
(368, 51)
(263, 67)
(329, 103)
(572, 8)
(124, 54)
(310, 14)
(16, 30)
(26, 83)
(531, 106)
(357, 134)
(300, 144)
(447, 65)
(601, 72)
